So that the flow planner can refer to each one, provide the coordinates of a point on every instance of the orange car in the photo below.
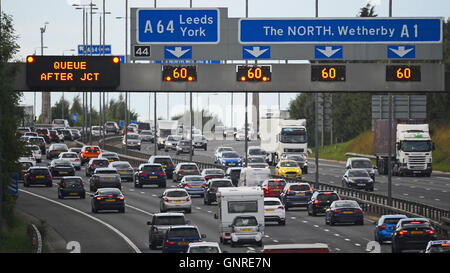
(88, 152)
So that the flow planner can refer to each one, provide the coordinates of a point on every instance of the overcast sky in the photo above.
(64, 32)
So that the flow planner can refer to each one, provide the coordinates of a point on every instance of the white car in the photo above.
(274, 210)
(240, 135)
(31, 160)
(73, 158)
(96, 131)
(246, 229)
(176, 199)
(36, 152)
(204, 247)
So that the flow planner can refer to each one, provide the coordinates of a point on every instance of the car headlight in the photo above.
(283, 171)
(239, 160)
(299, 171)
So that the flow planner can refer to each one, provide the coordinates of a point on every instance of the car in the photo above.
(212, 173)
(184, 147)
(77, 151)
(229, 133)
(193, 184)
(130, 129)
(412, 234)
(72, 158)
(288, 169)
(160, 143)
(104, 178)
(124, 168)
(257, 151)
(23, 130)
(230, 159)
(204, 247)
(200, 142)
(108, 199)
(438, 246)
(36, 152)
(301, 160)
(54, 150)
(211, 189)
(147, 135)
(233, 173)
(171, 142)
(240, 135)
(67, 133)
(273, 187)
(256, 162)
(175, 199)
(111, 157)
(357, 179)
(54, 136)
(60, 167)
(24, 166)
(385, 227)
(160, 223)
(36, 175)
(296, 195)
(39, 141)
(274, 210)
(165, 161)
(221, 149)
(71, 186)
(34, 134)
(344, 211)
(177, 238)
(111, 127)
(96, 163)
(246, 229)
(29, 158)
(132, 141)
(150, 174)
(75, 133)
(320, 201)
(43, 132)
(360, 163)
(60, 123)
(96, 131)
(89, 152)
(185, 168)
(297, 248)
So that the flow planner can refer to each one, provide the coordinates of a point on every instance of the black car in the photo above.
(54, 136)
(233, 173)
(55, 149)
(344, 211)
(184, 147)
(412, 234)
(295, 195)
(159, 225)
(320, 201)
(37, 175)
(96, 163)
(72, 186)
(166, 162)
(105, 178)
(358, 179)
(150, 174)
(211, 189)
(39, 141)
(108, 199)
(44, 132)
(67, 134)
(60, 167)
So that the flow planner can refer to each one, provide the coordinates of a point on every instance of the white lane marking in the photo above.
(209, 211)
(154, 195)
(293, 218)
(428, 189)
(127, 240)
(357, 245)
(131, 190)
(198, 207)
(437, 199)
(326, 230)
(338, 249)
(421, 197)
(316, 226)
(440, 177)
(275, 241)
(143, 211)
(405, 194)
(266, 236)
(251, 248)
(444, 191)
(337, 235)
(348, 240)
(305, 221)
(142, 192)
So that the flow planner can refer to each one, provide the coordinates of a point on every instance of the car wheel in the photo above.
(332, 223)
(153, 246)
(283, 223)
(59, 195)
(309, 212)
(189, 210)
(83, 196)
(94, 210)
(260, 243)
(313, 212)
(122, 210)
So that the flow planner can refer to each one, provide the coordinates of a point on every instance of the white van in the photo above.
(60, 123)
(251, 177)
(239, 201)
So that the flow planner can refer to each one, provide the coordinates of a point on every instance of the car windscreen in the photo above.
(218, 171)
(39, 171)
(69, 156)
(163, 161)
(415, 223)
(169, 220)
(102, 163)
(361, 164)
(256, 159)
(358, 173)
(152, 169)
(35, 140)
(204, 249)
(221, 183)
(326, 197)
(271, 203)
(183, 232)
(296, 158)
(391, 221)
(279, 183)
(289, 164)
(225, 149)
(112, 171)
(256, 152)
(63, 165)
(146, 133)
(299, 187)
(92, 149)
(121, 166)
(35, 148)
(441, 248)
(133, 136)
(60, 147)
(242, 206)
(194, 179)
(176, 194)
(72, 181)
(26, 165)
(174, 138)
(188, 167)
(345, 204)
(110, 191)
(245, 221)
(230, 155)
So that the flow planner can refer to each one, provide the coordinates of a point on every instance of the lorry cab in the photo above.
(238, 202)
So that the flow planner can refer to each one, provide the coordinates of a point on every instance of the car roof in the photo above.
(38, 167)
(103, 169)
(438, 242)
(119, 162)
(183, 226)
(160, 214)
(108, 189)
(272, 199)
(219, 179)
(175, 189)
(359, 158)
(199, 244)
(72, 176)
(394, 216)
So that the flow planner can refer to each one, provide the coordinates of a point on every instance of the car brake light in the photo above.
(82, 183)
(110, 196)
(98, 152)
(204, 185)
(358, 211)
(316, 202)
(382, 226)
(77, 159)
(402, 232)
(187, 185)
(92, 165)
(122, 198)
(99, 198)
(310, 190)
(166, 199)
(430, 231)
(415, 223)
(163, 173)
(207, 177)
(188, 199)
(336, 211)
(446, 245)
(180, 171)
(86, 152)
(144, 173)
(327, 193)
(196, 171)
(168, 243)
(281, 207)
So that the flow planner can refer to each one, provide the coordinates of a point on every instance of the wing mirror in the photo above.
(215, 216)
(203, 236)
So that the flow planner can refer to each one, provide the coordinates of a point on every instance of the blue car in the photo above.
(177, 238)
(150, 174)
(230, 159)
(193, 184)
(385, 227)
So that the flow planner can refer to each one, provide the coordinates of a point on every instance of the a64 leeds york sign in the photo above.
(73, 72)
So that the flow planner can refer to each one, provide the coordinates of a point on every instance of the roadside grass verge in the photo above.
(15, 238)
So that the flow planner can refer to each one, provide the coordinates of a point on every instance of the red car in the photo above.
(273, 187)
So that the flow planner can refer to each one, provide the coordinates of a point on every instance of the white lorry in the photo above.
(164, 129)
(281, 136)
(239, 201)
(411, 148)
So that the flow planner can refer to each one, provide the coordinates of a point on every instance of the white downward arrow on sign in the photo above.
(401, 51)
(328, 51)
(256, 52)
(178, 52)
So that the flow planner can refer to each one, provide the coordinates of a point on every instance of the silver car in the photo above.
(246, 229)
(147, 135)
(133, 141)
(175, 199)
(171, 142)
(124, 168)
(73, 158)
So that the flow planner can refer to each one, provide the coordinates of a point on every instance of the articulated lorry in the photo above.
(281, 136)
(411, 147)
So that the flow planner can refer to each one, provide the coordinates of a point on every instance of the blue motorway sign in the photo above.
(256, 52)
(178, 52)
(348, 30)
(74, 117)
(96, 50)
(13, 187)
(177, 26)
(401, 52)
(328, 52)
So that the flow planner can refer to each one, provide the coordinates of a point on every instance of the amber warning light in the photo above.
(73, 72)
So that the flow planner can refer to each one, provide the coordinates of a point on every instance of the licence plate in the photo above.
(416, 171)
(301, 194)
(276, 189)
(177, 201)
(164, 166)
(196, 186)
(40, 176)
(108, 178)
(183, 243)
(416, 232)
(73, 193)
(270, 210)
(110, 200)
(361, 184)
(348, 212)
(122, 171)
(152, 177)
(63, 172)
(246, 230)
